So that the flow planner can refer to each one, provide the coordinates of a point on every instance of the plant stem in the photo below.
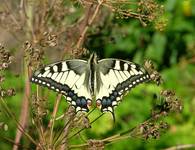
(52, 120)
(90, 21)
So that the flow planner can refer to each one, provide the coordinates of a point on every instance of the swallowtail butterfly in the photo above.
(80, 81)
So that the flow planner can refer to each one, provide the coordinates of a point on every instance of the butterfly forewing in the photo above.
(114, 78)
(69, 78)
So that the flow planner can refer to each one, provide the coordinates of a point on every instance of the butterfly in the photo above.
(80, 81)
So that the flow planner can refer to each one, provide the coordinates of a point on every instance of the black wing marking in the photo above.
(114, 79)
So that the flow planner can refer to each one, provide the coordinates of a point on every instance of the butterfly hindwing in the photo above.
(114, 78)
(69, 78)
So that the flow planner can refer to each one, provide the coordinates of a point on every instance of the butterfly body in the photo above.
(106, 80)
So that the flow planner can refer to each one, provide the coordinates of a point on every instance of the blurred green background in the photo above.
(173, 52)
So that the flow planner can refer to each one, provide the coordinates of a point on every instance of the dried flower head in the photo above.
(150, 9)
(82, 121)
(49, 40)
(5, 58)
(168, 103)
(39, 107)
(149, 130)
(154, 75)
(154, 126)
(33, 56)
(70, 113)
(171, 102)
(144, 10)
(95, 145)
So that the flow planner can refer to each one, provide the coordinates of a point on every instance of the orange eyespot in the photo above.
(89, 103)
(98, 103)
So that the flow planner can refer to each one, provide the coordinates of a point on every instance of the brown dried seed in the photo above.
(11, 92)
(5, 65)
